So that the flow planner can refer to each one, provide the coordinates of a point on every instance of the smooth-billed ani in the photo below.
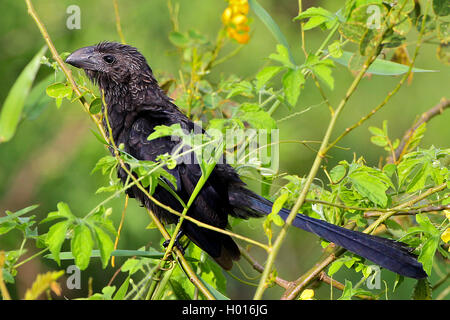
(136, 104)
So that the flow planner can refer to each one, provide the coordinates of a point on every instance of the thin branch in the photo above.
(371, 214)
(258, 267)
(336, 284)
(118, 25)
(425, 117)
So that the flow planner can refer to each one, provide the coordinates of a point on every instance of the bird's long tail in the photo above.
(393, 255)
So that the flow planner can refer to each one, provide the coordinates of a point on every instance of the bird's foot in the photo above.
(177, 243)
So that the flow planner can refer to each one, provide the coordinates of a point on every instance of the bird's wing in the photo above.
(211, 205)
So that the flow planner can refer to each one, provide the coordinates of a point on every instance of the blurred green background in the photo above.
(51, 157)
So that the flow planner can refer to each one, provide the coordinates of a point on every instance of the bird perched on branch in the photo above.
(136, 104)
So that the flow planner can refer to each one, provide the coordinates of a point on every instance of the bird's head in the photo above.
(109, 62)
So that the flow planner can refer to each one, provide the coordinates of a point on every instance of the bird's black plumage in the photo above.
(136, 104)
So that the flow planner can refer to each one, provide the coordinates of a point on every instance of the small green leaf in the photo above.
(379, 141)
(335, 266)
(369, 186)
(426, 225)
(317, 16)
(266, 74)
(277, 206)
(95, 106)
(338, 173)
(55, 238)
(256, 117)
(59, 90)
(81, 246)
(335, 49)
(323, 72)
(293, 81)
(178, 39)
(426, 255)
(282, 56)
(105, 245)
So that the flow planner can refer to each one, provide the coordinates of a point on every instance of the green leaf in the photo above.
(55, 238)
(179, 291)
(441, 7)
(81, 246)
(293, 81)
(335, 266)
(370, 186)
(266, 74)
(105, 245)
(426, 255)
(271, 25)
(256, 117)
(122, 291)
(379, 66)
(317, 16)
(347, 293)
(426, 225)
(15, 100)
(105, 164)
(323, 72)
(11, 216)
(178, 39)
(282, 56)
(379, 141)
(59, 90)
(95, 106)
(338, 173)
(277, 206)
(422, 290)
(335, 49)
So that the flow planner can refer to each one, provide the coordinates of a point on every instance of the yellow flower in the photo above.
(226, 15)
(235, 19)
(446, 235)
(239, 19)
(307, 294)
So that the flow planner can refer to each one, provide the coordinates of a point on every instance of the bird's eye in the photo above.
(109, 59)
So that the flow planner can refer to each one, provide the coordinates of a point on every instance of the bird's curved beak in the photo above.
(83, 58)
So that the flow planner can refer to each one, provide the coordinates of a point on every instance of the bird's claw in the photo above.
(176, 244)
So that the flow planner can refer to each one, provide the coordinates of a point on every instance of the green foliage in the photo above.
(82, 241)
(356, 193)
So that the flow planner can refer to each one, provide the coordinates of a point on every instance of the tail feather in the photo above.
(390, 254)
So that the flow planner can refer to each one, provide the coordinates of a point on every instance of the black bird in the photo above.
(136, 104)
